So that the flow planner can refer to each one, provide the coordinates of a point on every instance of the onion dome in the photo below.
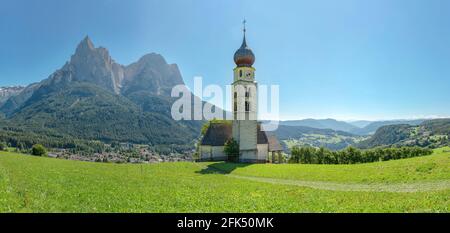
(244, 55)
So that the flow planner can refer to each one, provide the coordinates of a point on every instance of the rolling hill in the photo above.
(430, 133)
(372, 127)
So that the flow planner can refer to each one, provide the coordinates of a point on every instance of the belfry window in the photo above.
(247, 93)
(247, 106)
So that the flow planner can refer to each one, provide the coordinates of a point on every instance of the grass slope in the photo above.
(34, 184)
(426, 168)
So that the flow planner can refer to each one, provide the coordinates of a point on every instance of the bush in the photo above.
(38, 150)
(231, 149)
(3, 146)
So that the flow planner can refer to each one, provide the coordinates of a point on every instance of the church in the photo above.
(255, 146)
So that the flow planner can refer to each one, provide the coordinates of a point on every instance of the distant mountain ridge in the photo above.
(355, 127)
(360, 123)
(322, 124)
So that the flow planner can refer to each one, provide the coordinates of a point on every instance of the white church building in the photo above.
(255, 146)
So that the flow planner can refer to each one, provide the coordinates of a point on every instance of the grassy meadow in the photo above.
(37, 184)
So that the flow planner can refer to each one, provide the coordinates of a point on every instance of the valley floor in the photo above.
(34, 184)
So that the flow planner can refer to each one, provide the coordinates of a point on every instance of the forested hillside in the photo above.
(431, 133)
(291, 136)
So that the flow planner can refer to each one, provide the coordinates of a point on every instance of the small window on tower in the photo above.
(240, 73)
(247, 94)
(247, 106)
(235, 106)
(235, 94)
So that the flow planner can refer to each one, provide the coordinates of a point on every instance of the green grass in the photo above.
(427, 168)
(35, 184)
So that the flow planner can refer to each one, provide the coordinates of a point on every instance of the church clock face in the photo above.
(248, 74)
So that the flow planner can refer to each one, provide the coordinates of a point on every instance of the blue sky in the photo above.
(347, 59)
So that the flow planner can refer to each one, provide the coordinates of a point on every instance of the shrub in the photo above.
(38, 150)
(231, 149)
(3, 146)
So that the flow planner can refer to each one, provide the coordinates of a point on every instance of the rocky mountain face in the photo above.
(7, 92)
(93, 65)
(150, 74)
(14, 102)
(93, 97)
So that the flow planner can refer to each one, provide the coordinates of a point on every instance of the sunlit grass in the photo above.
(36, 184)
(433, 167)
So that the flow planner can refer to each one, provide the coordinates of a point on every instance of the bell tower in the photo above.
(244, 103)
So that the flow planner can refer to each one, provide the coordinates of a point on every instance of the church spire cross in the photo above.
(244, 42)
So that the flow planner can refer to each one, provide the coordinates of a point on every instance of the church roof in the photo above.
(218, 133)
(244, 55)
(274, 144)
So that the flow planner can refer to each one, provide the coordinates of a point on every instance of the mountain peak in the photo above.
(85, 44)
(94, 65)
(155, 58)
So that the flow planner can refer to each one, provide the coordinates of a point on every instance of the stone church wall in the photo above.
(205, 152)
(263, 151)
(212, 153)
(218, 153)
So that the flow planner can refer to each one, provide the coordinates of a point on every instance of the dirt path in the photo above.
(424, 186)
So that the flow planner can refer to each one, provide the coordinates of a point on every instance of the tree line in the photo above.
(37, 149)
(23, 141)
(351, 155)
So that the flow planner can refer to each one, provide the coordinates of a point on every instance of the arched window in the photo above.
(247, 106)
